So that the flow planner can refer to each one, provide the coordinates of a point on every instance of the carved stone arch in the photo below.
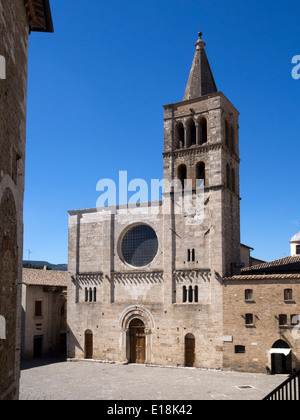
(128, 315)
(202, 132)
(191, 136)
(179, 135)
(138, 312)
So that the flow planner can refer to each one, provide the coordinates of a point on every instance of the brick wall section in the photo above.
(268, 303)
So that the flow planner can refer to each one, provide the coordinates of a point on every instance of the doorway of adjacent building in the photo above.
(88, 344)
(190, 350)
(281, 358)
(37, 346)
(137, 341)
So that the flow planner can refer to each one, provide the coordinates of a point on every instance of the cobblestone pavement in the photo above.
(99, 381)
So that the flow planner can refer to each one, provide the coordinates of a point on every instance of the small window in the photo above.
(184, 294)
(249, 319)
(288, 294)
(239, 349)
(95, 294)
(283, 320)
(191, 255)
(191, 294)
(86, 295)
(196, 294)
(249, 295)
(38, 308)
(297, 249)
(203, 131)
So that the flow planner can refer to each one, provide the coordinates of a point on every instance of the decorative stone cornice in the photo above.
(192, 275)
(88, 278)
(138, 277)
(198, 150)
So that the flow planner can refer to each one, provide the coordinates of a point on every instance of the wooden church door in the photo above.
(137, 342)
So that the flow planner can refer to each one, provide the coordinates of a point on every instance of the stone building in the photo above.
(44, 313)
(145, 281)
(18, 18)
(262, 314)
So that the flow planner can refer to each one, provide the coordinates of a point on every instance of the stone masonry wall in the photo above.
(13, 93)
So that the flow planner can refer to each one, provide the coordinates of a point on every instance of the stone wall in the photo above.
(258, 339)
(14, 33)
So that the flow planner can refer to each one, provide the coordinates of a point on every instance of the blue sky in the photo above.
(96, 88)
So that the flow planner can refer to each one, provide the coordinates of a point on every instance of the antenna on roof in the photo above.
(29, 253)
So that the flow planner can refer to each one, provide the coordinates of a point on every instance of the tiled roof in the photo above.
(45, 277)
(264, 277)
(286, 265)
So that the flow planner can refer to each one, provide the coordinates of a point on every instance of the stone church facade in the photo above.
(146, 286)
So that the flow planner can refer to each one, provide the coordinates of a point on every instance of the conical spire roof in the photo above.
(201, 81)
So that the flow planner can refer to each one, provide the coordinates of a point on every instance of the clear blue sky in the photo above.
(95, 95)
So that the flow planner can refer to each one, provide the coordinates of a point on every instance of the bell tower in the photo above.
(201, 142)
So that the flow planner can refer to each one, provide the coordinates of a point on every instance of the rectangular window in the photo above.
(239, 349)
(38, 308)
(249, 319)
(288, 294)
(283, 320)
(298, 249)
(249, 295)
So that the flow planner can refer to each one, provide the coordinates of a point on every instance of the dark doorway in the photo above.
(88, 344)
(137, 341)
(38, 347)
(281, 363)
(190, 353)
(63, 345)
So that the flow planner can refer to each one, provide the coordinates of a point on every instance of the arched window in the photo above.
(191, 293)
(196, 294)
(200, 172)
(179, 136)
(191, 133)
(203, 131)
(184, 294)
(182, 174)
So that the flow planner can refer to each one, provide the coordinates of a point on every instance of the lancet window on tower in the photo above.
(202, 135)
(179, 136)
(191, 133)
(200, 172)
(182, 174)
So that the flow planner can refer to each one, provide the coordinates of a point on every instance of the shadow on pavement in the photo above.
(30, 364)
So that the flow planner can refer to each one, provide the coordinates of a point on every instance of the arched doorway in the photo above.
(88, 344)
(190, 353)
(281, 358)
(137, 341)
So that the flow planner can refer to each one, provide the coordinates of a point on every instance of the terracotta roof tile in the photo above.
(284, 265)
(33, 277)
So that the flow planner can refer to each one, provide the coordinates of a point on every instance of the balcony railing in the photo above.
(288, 391)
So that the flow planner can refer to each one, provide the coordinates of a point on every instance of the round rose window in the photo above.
(139, 246)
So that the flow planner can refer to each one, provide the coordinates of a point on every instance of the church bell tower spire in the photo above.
(201, 80)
